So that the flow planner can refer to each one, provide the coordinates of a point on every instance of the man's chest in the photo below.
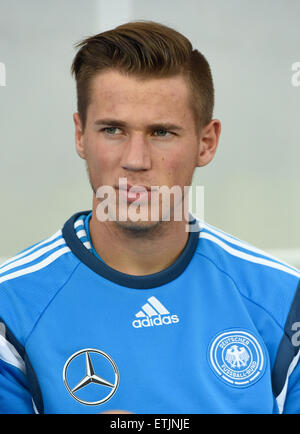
(151, 352)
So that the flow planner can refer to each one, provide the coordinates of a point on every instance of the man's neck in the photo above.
(138, 253)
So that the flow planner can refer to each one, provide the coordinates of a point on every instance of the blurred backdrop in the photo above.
(252, 185)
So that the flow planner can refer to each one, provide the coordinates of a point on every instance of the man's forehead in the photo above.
(113, 83)
(111, 91)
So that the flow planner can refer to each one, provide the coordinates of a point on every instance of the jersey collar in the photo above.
(137, 282)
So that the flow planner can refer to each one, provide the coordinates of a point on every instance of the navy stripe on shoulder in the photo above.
(33, 383)
(9, 336)
(287, 350)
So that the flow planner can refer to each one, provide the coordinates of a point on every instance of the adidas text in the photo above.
(157, 321)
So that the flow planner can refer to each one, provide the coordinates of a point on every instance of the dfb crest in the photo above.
(237, 358)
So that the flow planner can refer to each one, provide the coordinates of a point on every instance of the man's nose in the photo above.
(136, 155)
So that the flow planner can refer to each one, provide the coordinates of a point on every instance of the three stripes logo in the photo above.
(152, 314)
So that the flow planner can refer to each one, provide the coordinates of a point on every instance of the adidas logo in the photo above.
(154, 308)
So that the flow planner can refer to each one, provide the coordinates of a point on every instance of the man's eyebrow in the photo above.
(165, 126)
(156, 126)
(112, 122)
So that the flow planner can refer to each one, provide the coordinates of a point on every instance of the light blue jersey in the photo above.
(216, 332)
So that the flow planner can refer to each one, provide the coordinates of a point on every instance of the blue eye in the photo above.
(162, 133)
(111, 130)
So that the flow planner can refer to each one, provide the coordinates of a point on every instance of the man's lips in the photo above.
(133, 188)
(131, 193)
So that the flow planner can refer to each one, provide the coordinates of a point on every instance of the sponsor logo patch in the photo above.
(82, 380)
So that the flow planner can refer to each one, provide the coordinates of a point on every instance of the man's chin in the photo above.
(137, 228)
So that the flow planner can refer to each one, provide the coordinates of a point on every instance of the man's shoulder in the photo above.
(30, 279)
(259, 276)
(39, 257)
(230, 252)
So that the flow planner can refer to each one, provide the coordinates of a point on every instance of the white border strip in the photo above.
(281, 397)
(286, 253)
(36, 267)
(9, 354)
(78, 223)
(48, 240)
(33, 256)
(248, 257)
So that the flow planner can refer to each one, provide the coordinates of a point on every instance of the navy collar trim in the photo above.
(130, 281)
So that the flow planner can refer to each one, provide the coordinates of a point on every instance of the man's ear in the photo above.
(79, 136)
(208, 142)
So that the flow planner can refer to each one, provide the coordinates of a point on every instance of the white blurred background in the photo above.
(252, 186)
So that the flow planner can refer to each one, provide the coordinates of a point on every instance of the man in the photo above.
(125, 308)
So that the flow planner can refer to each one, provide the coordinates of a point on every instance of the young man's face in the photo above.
(141, 130)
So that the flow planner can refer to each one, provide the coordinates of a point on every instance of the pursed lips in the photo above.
(133, 188)
(135, 192)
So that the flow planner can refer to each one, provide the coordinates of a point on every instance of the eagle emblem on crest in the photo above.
(237, 357)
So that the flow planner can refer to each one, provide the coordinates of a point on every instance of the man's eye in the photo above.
(111, 130)
(162, 133)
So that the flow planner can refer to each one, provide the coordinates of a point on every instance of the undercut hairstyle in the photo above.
(144, 49)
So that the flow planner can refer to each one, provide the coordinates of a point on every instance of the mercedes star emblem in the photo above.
(91, 377)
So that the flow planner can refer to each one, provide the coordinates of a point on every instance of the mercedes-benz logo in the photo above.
(91, 377)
